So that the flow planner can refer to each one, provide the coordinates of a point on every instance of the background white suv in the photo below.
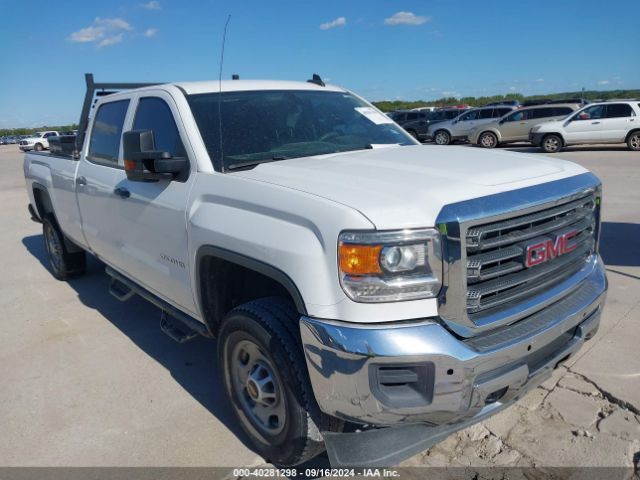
(608, 122)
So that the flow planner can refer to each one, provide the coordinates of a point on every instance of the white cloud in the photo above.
(539, 80)
(152, 5)
(603, 82)
(406, 18)
(112, 40)
(103, 32)
(338, 22)
(151, 32)
(513, 89)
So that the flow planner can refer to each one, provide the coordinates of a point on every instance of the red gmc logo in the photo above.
(548, 249)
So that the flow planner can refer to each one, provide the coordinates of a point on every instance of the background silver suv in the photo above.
(515, 126)
(461, 127)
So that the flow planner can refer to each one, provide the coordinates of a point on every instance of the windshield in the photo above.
(265, 126)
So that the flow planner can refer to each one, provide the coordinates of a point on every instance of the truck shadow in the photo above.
(193, 364)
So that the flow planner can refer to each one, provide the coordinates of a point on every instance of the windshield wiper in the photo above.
(277, 158)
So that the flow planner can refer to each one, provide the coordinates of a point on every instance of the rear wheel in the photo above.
(63, 264)
(413, 134)
(488, 140)
(633, 142)
(265, 377)
(442, 137)
(551, 143)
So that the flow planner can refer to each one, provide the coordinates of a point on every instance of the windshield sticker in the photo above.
(373, 115)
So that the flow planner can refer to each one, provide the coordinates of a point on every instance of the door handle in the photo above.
(595, 123)
(81, 181)
(122, 192)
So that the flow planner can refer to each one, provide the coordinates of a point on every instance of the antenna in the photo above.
(224, 39)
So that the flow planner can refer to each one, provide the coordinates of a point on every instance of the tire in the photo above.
(442, 137)
(62, 263)
(38, 147)
(633, 141)
(413, 134)
(488, 140)
(265, 377)
(551, 143)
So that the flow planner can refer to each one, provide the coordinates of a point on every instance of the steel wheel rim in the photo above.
(551, 144)
(54, 248)
(257, 387)
(487, 140)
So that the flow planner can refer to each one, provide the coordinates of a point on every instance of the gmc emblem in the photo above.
(548, 249)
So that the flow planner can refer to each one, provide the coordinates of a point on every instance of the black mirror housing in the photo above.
(143, 163)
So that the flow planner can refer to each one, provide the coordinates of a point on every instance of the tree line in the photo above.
(10, 132)
(591, 95)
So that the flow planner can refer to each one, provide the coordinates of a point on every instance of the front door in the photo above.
(152, 215)
(516, 126)
(585, 126)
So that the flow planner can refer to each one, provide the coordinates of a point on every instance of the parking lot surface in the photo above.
(89, 381)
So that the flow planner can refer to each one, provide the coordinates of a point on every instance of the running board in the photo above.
(175, 323)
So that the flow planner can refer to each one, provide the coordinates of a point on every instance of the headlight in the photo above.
(390, 266)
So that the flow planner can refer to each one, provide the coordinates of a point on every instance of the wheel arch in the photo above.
(43, 205)
(546, 134)
(243, 279)
(635, 130)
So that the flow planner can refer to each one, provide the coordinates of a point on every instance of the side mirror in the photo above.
(143, 163)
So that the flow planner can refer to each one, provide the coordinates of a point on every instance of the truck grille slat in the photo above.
(496, 268)
(512, 231)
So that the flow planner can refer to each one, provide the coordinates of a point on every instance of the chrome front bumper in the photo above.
(357, 371)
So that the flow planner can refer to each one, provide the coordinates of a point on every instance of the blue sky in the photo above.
(394, 49)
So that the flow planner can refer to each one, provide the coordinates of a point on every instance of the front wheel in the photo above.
(442, 137)
(551, 143)
(265, 377)
(633, 142)
(38, 147)
(488, 140)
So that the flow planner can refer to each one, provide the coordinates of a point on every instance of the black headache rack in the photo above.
(95, 90)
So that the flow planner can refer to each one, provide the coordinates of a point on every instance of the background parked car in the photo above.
(419, 128)
(509, 103)
(608, 122)
(461, 127)
(515, 126)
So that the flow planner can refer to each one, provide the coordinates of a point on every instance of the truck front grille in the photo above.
(497, 274)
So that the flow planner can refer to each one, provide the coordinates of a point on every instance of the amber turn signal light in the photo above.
(359, 259)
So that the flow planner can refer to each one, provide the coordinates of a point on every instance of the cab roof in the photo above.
(213, 86)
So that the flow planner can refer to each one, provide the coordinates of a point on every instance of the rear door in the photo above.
(585, 126)
(152, 215)
(618, 120)
(96, 178)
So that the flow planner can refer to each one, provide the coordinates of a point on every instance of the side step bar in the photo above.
(175, 323)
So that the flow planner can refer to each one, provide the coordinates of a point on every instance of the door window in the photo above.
(542, 112)
(561, 111)
(154, 114)
(500, 112)
(104, 146)
(472, 115)
(618, 110)
(590, 113)
(486, 113)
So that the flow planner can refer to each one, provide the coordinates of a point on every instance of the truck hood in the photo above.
(406, 187)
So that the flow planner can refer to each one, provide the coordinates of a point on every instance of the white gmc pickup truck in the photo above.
(369, 295)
